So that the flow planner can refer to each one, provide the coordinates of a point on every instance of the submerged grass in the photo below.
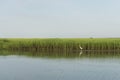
(60, 44)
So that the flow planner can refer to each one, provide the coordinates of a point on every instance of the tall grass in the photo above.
(60, 44)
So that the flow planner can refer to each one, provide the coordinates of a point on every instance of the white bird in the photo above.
(80, 47)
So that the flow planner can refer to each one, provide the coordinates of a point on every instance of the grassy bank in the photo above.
(60, 44)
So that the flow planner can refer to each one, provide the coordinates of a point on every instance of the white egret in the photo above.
(80, 47)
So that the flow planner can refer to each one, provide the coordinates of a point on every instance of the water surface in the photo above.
(90, 65)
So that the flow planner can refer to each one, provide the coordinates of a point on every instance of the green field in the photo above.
(52, 44)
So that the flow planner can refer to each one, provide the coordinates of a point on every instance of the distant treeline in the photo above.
(65, 44)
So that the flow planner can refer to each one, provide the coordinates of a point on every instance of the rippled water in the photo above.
(80, 65)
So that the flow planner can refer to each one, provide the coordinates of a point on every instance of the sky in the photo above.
(59, 18)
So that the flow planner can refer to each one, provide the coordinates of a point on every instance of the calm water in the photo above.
(60, 66)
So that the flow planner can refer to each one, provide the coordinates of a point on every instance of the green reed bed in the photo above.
(53, 44)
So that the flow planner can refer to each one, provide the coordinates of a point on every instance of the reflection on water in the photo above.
(65, 55)
(59, 65)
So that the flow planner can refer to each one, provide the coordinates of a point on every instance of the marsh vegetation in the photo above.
(65, 44)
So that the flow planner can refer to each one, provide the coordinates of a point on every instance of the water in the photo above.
(60, 66)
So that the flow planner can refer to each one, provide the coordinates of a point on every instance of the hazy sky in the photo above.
(59, 18)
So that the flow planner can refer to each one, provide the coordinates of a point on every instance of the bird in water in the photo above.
(80, 47)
